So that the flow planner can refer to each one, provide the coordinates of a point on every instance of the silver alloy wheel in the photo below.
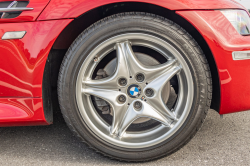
(109, 90)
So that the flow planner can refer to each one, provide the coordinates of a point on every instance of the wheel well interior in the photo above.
(78, 25)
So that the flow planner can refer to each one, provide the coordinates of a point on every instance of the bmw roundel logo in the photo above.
(134, 91)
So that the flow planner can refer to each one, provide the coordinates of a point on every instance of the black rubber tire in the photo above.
(144, 23)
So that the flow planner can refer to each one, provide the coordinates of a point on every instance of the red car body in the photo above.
(23, 61)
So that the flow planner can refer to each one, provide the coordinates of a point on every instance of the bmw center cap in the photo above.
(134, 91)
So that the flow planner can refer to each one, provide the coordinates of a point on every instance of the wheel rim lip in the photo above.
(87, 69)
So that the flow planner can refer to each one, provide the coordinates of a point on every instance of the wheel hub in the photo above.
(134, 91)
(139, 78)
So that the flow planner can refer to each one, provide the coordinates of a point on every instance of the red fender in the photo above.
(58, 9)
(223, 39)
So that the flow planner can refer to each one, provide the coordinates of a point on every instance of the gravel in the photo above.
(219, 142)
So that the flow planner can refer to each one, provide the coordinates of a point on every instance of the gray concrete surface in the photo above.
(219, 142)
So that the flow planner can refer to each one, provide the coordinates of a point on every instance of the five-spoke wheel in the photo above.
(134, 88)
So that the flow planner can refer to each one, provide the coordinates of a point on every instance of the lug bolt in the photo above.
(137, 105)
(140, 77)
(122, 81)
(122, 99)
(149, 92)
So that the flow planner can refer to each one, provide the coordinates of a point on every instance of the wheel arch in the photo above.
(76, 27)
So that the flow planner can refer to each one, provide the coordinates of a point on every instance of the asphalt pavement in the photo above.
(219, 142)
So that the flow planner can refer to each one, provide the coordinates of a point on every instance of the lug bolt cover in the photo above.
(137, 105)
(122, 98)
(122, 81)
(149, 92)
(140, 77)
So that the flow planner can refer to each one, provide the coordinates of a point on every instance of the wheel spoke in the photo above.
(122, 71)
(105, 83)
(151, 112)
(155, 72)
(121, 121)
(151, 72)
(122, 63)
(157, 85)
(129, 116)
(134, 64)
(108, 95)
(180, 98)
